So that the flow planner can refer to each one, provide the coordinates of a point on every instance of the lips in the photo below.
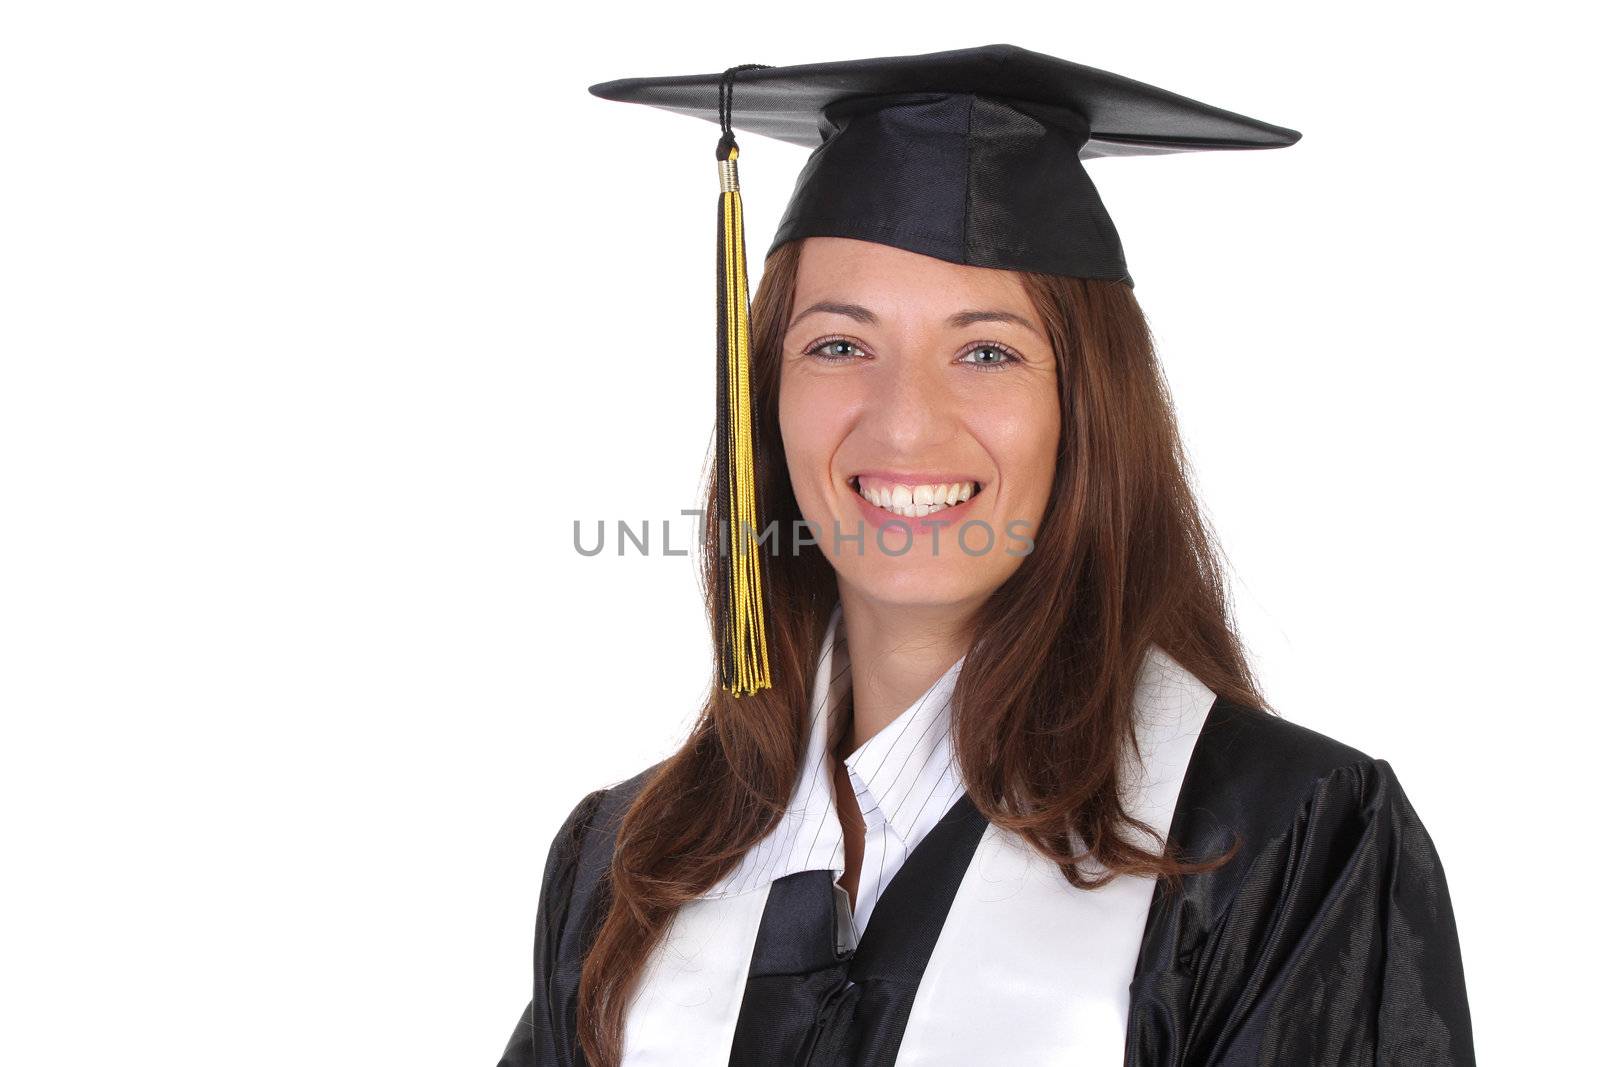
(919, 501)
(914, 496)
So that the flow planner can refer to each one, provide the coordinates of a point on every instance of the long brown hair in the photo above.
(1043, 705)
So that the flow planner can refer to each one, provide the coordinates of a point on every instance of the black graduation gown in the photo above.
(1329, 939)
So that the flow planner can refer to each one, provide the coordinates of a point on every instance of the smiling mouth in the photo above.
(914, 501)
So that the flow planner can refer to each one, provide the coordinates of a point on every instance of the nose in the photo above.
(912, 408)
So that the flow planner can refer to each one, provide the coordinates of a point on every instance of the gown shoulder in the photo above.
(1328, 939)
(566, 920)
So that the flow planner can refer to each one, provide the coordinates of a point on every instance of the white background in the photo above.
(322, 321)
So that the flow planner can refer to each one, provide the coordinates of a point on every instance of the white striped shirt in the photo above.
(904, 777)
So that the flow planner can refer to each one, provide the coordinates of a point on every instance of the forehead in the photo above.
(892, 280)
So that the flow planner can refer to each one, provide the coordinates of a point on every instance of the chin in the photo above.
(916, 586)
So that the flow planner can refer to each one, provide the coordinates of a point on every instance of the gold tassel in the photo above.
(742, 645)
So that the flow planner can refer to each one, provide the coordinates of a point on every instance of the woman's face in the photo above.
(919, 413)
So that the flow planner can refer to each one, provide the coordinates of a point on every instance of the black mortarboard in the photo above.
(972, 156)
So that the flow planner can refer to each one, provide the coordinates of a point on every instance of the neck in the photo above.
(896, 653)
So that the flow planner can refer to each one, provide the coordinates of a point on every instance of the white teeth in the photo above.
(917, 501)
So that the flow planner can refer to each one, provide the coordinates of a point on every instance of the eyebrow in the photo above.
(959, 319)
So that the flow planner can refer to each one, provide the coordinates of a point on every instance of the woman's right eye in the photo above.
(828, 348)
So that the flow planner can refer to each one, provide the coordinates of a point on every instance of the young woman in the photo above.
(1012, 796)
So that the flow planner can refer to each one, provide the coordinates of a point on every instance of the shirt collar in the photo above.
(884, 773)
(899, 761)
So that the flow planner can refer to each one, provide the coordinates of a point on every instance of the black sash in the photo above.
(805, 1002)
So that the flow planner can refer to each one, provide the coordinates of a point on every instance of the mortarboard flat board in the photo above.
(973, 156)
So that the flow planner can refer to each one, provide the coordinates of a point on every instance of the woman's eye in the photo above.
(989, 356)
(832, 348)
(838, 349)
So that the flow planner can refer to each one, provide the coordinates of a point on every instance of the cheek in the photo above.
(1024, 439)
(808, 438)
(793, 426)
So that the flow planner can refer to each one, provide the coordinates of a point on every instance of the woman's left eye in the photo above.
(990, 356)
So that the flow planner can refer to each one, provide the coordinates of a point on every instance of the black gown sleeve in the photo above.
(1339, 946)
(536, 1042)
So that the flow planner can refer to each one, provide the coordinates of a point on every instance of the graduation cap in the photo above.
(972, 156)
